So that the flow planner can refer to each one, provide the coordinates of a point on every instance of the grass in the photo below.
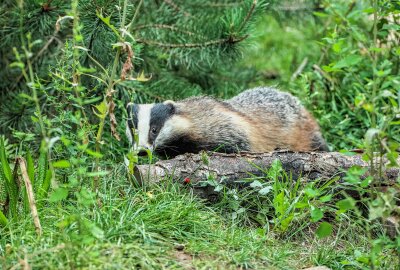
(284, 42)
(166, 227)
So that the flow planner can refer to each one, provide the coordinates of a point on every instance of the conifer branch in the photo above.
(129, 26)
(217, 5)
(230, 40)
(248, 16)
(177, 8)
(163, 26)
(44, 48)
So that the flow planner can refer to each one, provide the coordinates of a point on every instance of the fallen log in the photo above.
(229, 168)
(232, 169)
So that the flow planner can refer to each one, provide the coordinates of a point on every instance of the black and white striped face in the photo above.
(149, 121)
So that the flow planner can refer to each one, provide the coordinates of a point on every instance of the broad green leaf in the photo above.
(61, 164)
(278, 202)
(337, 47)
(301, 205)
(326, 198)
(58, 195)
(345, 204)
(275, 169)
(92, 100)
(107, 21)
(284, 224)
(3, 219)
(324, 230)
(348, 61)
(94, 153)
(312, 193)
(316, 214)
(101, 110)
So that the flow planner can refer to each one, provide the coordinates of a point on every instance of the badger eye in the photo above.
(153, 130)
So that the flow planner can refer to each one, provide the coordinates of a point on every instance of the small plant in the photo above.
(280, 200)
(16, 196)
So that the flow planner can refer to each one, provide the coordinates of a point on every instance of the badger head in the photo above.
(157, 125)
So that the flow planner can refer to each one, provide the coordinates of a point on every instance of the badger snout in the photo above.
(142, 152)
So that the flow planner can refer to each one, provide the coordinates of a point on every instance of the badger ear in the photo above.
(171, 105)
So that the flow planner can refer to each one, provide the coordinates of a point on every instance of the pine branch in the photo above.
(248, 16)
(163, 26)
(129, 26)
(217, 5)
(177, 8)
(230, 40)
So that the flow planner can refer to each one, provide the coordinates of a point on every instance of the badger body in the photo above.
(257, 120)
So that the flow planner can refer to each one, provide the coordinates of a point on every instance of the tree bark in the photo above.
(229, 168)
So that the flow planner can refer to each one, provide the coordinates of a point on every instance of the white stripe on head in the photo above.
(144, 113)
(129, 133)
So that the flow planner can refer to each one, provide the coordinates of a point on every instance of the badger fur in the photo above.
(257, 120)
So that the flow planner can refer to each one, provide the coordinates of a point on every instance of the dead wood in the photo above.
(230, 168)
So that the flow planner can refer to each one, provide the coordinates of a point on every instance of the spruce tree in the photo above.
(183, 47)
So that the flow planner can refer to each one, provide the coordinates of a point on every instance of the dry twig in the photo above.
(31, 198)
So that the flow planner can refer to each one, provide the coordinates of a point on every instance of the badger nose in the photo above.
(142, 152)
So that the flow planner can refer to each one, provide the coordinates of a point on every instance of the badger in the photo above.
(258, 120)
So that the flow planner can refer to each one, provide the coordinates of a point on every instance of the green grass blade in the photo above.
(4, 161)
(42, 169)
(30, 166)
(14, 192)
(11, 192)
(42, 194)
(3, 187)
(9, 183)
(3, 219)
